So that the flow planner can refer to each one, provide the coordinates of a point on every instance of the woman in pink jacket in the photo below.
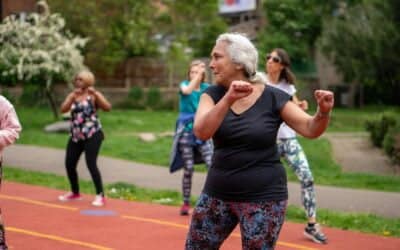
(9, 132)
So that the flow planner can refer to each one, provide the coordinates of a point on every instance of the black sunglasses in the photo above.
(275, 59)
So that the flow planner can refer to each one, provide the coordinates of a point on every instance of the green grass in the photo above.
(347, 221)
(353, 120)
(121, 128)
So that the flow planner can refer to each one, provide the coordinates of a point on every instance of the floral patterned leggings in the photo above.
(3, 245)
(294, 155)
(213, 220)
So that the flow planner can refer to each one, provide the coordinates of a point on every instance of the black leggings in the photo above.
(91, 147)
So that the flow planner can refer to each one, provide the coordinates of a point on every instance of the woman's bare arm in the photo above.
(305, 124)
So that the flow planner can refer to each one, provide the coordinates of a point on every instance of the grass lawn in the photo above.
(122, 126)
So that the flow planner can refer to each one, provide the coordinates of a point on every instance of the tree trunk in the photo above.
(52, 103)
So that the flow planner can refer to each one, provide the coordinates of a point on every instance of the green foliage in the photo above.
(118, 29)
(136, 93)
(8, 96)
(350, 221)
(130, 192)
(33, 96)
(38, 50)
(379, 127)
(368, 35)
(295, 31)
(391, 143)
(153, 99)
(135, 98)
(195, 23)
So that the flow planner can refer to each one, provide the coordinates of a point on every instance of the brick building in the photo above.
(18, 7)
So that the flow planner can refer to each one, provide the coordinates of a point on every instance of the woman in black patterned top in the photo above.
(246, 183)
(86, 134)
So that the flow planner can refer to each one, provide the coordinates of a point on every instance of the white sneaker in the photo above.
(69, 197)
(99, 201)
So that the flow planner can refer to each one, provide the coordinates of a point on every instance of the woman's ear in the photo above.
(239, 66)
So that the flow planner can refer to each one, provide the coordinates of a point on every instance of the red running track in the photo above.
(35, 219)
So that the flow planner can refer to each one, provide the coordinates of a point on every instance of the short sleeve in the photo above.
(216, 92)
(292, 90)
(280, 97)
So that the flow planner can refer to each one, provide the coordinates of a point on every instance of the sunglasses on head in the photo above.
(275, 59)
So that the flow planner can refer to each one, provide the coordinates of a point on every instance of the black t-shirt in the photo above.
(246, 166)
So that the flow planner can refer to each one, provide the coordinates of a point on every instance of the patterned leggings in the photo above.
(3, 245)
(294, 155)
(187, 151)
(213, 220)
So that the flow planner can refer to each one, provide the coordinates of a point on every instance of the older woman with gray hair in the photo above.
(246, 183)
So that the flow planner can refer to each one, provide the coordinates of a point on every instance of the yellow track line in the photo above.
(166, 223)
(160, 222)
(45, 204)
(57, 238)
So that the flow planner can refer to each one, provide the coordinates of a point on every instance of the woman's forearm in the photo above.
(102, 102)
(318, 124)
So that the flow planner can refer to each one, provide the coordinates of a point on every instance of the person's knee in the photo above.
(307, 183)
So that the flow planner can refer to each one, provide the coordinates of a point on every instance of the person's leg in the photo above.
(297, 160)
(187, 153)
(206, 151)
(3, 244)
(73, 153)
(260, 223)
(92, 148)
(211, 224)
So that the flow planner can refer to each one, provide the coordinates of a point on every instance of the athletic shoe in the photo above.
(315, 234)
(185, 209)
(70, 197)
(99, 201)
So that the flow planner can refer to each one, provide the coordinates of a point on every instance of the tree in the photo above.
(295, 26)
(187, 29)
(195, 23)
(363, 44)
(38, 50)
(117, 30)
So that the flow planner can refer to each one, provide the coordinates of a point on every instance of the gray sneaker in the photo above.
(315, 234)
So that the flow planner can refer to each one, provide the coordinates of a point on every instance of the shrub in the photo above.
(135, 97)
(153, 100)
(378, 128)
(8, 95)
(391, 143)
(33, 96)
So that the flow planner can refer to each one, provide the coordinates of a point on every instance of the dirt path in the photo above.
(355, 153)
